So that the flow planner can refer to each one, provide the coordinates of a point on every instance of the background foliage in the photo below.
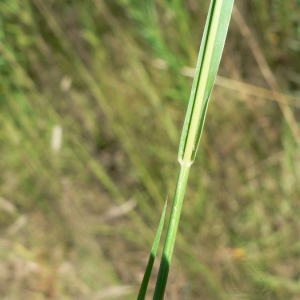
(77, 220)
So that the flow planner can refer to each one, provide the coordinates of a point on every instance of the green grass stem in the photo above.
(206, 71)
(172, 231)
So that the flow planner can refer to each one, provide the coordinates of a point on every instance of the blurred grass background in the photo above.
(112, 78)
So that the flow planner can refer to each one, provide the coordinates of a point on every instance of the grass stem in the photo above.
(206, 71)
(172, 231)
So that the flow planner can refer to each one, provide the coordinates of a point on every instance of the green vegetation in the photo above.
(77, 218)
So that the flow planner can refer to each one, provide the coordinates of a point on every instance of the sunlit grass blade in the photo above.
(146, 278)
(207, 66)
(210, 53)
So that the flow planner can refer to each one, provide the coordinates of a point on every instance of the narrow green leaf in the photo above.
(207, 66)
(144, 285)
(206, 70)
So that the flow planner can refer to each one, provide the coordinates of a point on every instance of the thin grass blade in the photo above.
(206, 71)
(146, 278)
(207, 66)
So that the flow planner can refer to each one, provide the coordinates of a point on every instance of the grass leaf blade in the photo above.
(206, 70)
(144, 285)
